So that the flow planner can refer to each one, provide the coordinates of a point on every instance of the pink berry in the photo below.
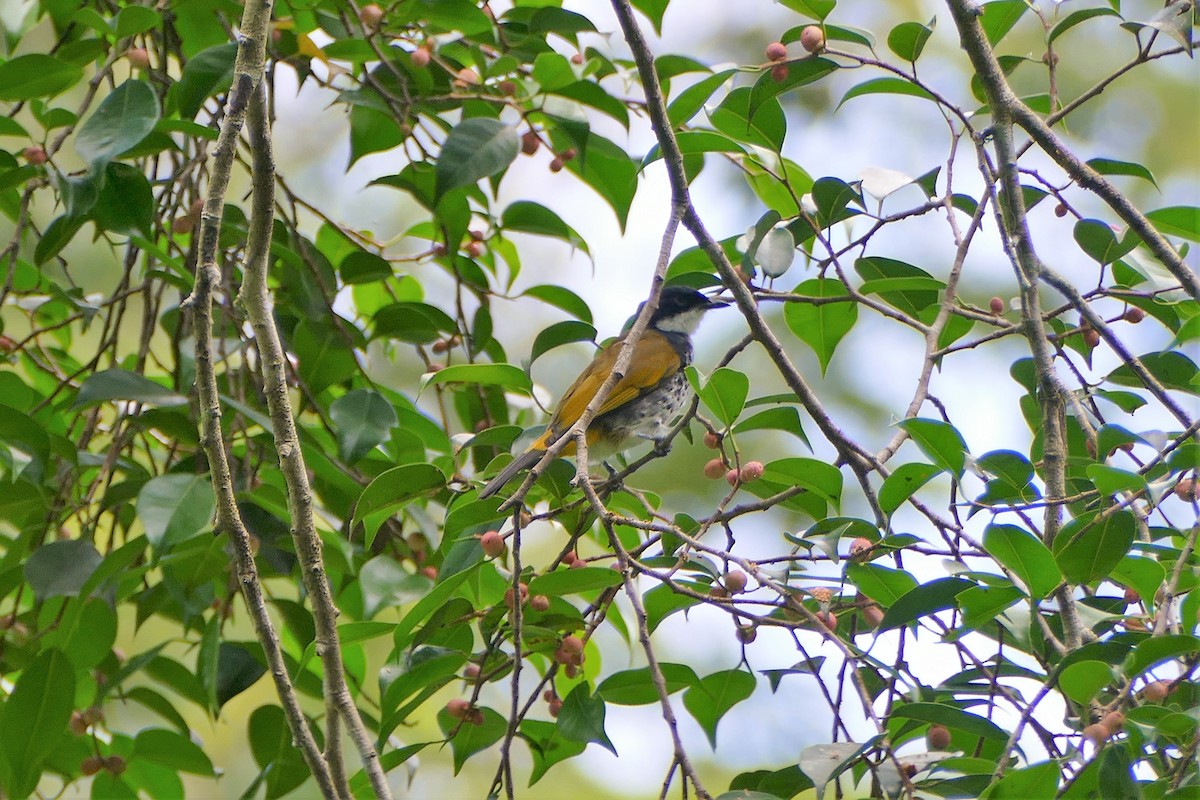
(777, 51)
(812, 39)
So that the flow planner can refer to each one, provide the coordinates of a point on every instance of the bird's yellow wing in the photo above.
(653, 360)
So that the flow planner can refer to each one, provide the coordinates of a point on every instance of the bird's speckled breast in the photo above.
(648, 416)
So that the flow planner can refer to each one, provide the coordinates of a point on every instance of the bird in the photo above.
(643, 403)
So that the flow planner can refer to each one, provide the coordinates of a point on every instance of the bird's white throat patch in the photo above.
(684, 322)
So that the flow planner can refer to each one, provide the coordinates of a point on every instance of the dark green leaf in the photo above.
(57, 235)
(36, 75)
(360, 266)
(561, 297)
(120, 384)
(126, 203)
(470, 739)
(661, 602)
(1025, 556)
(821, 326)
(883, 585)
(476, 148)
(908, 39)
(926, 599)
(998, 18)
(1039, 780)
(1173, 369)
(581, 718)
(124, 118)
(271, 745)
(1155, 650)
(689, 102)
(901, 484)
(558, 334)
(172, 750)
(60, 569)
(1181, 221)
(573, 581)
(939, 441)
(528, 217)
(1109, 166)
(237, 671)
(362, 419)
(799, 73)
(506, 375)
(635, 687)
(1083, 680)
(1086, 550)
(205, 74)
(725, 394)
(908, 288)
(783, 418)
(1100, 243)
(174, 508)
(392, 491)
(884, 86)
(34, 718)
(709, 700)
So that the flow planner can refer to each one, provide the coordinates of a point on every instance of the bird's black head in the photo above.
(680, 309)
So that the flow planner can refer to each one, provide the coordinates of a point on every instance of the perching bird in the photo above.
(643, 403)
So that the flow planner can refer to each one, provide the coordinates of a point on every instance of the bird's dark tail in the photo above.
(519, 464)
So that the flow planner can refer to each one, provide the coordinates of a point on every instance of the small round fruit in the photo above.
(471, 671)
(473, 249)
(458, 708)
(492, 543)
(779, 73)
(91, 765)
(1096, 733)
(1134, 314)
(530, 142)
(183, 225)
(1156, 691)
(554, 707)
(1060, 210)
(556, 164)
(549, 694)
(872, 615)
(860, 548)
(137, 57)
(570, 557)
(539, 602)
(777, 51)
(731, 477)
(475, 717)
(718, 591)
(578, 563)
(507, 88)
(751, 471)
(1091, 338)
(1113, 721)
(78, 724)
(712, 440)
(577, 58)
(812, 39)
(715, 469)
(421, 57)
(114, 764)
(572, 644)
(828, 619)
(370, 15)
(430, 572)
(1131, 595)
(568, 154)
(509, 595)
(1186, 489)
(440, 346)
(996, 304)
(35, 155)
(466, 77)
(938, 737)
(735, 581)
(747, 633)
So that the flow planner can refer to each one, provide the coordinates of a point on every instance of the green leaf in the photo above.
(998, 18)
(982, 604)
(908, 39)
(635, 687)
(1111, 480)
(560, 333)
(362, 420)
(36, 75)
(120, 384)
(124, 118)
(390, 492)
(476, 148)
(470, 739)
(237, 671)
(1099, 242)
(951, 717)
(528, 217)
(174, 508)
(372, 131)
(1074, 18)
(908, 288)
(132, 20)
(60, 569)
(689, 102)
(714, 695)
(1086, 550)
(359, 266)
(767, 127)
(547, 746)
(822, 479)
(782, 783)
(654, 11)
(206, 73)
(581, 718)
(272, 748)
(883, 585)
(506, 375)
(126, 202)
(661, 602)
(573, 581)
(1143, 575)
(1025, 556)
(821, 326)
(561, 297)
(900, 485)
(1181, 221)
(782, 418)
(1038, 780)
(926, 599)
(884, 86)
(57, 235)
(1083, 680)
(172, 750)
(610, 172)
(1173, 370)
(1158, 649)
(799, 73)
(34, 719)
(725, 394)
(1109, 166)
(939, 441)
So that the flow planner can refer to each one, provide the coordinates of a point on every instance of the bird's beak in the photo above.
(715, 304)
